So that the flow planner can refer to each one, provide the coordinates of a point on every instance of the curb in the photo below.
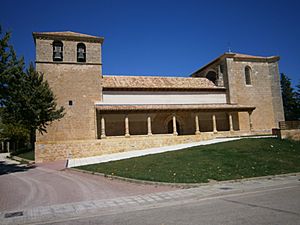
(19, 159)
(183, 185)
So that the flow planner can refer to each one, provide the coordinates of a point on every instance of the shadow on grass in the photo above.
(13, 168)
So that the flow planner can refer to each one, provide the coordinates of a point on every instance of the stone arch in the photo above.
(212, 76)
(58, 49)
(81, 52)
(179, 124)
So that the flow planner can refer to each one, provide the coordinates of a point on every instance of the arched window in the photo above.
(248, 75)
(212, 76)
(57, 51)
(81, 53)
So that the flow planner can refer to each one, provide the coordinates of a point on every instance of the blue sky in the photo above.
(164, 37)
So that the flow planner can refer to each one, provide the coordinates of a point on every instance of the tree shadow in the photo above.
(13, 168)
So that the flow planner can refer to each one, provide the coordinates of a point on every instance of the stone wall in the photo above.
(276, 92)
(260, 93)
(77, 86)
(51, 151)
(290, 134)
(44, 51)
(81, 85)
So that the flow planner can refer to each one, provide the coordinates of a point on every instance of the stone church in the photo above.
(233, 95)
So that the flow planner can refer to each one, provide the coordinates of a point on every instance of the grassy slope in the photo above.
(27, 155)
(223, 161)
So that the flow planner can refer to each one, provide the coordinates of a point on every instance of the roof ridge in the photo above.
(66, 33)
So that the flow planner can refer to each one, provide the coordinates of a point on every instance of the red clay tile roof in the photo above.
(164, 107)
(149, 82)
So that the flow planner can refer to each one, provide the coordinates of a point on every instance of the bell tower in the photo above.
(71, 63)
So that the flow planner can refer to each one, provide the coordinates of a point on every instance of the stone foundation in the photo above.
(62, 150)
(290, 134)
(52, 151)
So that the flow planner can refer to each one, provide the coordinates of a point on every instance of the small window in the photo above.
(70, 102)
(57, 51)
(248, 75)
(81, 53)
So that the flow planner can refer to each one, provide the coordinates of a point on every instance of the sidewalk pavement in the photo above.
(85, 209)
(7, 161)
(137, 153)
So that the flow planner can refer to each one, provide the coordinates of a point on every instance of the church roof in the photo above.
(150, 82)
(67, 35)
(239, 56)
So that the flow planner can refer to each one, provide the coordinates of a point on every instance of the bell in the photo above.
(81, 55)
(57, 55)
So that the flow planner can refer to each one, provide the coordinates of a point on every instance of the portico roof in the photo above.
(175, 107)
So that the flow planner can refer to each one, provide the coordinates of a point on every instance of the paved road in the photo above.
(272, 206)
(256, 201)
(44, 196)
(23, 188)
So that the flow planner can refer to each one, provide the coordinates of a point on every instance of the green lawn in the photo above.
(27, 155)
(223, 161)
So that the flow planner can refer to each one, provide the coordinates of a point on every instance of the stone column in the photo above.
(197, 132)
(103, 135)
(214, 123)
(2, 146)
(149, 125)
(127, 134)
(250, 120)
(174, 125)
(230, 122)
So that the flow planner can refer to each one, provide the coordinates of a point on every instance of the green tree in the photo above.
(11, 69)
(27, 101)
(289, 98)
(16, 133)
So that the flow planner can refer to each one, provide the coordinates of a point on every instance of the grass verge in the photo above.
(223, 161)
(27, 155)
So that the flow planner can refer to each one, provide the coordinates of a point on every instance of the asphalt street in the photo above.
(40, 195)
(267, 206)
